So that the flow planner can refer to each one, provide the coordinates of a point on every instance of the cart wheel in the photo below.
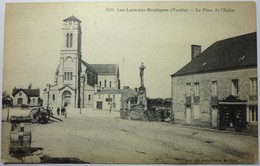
(34, 115)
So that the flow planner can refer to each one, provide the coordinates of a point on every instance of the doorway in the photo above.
(188, 115)
(66, 98)
(99, 104)
(232, 116)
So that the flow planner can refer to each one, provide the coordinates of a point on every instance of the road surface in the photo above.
(102, 137)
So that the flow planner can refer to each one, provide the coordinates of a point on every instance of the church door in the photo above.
(66, 98)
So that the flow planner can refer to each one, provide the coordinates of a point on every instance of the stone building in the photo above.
(28, 97)
(108, 99)
(111, 98)
(218, 88)
(77, 81)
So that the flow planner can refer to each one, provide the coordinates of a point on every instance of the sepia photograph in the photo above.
(129, 82)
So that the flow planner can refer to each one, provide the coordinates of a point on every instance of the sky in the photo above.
(161, 40)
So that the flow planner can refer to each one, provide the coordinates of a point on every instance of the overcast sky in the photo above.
(161, 40)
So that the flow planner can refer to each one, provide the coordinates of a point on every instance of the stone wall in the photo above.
(155, 112)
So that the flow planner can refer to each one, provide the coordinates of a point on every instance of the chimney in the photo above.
(195, 51)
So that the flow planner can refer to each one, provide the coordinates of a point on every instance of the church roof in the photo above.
(89, 67)
(28, 92)
(72, 18)
(105, 69)
(111, 91)
(229, 54)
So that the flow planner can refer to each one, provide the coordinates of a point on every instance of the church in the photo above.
(76, 81)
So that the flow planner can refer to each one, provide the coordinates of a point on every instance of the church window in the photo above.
(89, 97)
(67, 40)
(33, 100)
(20, 94)
(105, 83)
(100, 83)
(110, 84)
(71, 40)
(70, 75)
(53, 97)
(65, 75)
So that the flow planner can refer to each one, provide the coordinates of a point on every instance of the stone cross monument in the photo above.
(142, 67)
(141, 99)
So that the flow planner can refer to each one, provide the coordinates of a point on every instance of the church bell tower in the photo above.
(70, 58)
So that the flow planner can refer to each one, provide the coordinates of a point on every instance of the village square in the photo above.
(87, 115)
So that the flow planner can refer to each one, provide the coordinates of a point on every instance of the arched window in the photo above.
(65, 75)
(105, 83)
(67, 40)
(89, 97)
(100, 83)
(70, 75)
(110, 84)
(71, 40)
(53, 97)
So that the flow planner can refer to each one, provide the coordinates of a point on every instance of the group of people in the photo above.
(63, 111)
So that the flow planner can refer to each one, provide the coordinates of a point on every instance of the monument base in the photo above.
(141, 97)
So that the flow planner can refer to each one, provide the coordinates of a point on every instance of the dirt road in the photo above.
(101, 137)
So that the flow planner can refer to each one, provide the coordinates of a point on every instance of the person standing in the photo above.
(65, 109)
(110, 108)
(58, 111)
(62, 110)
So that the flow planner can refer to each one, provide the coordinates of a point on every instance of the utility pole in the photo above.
(48, 91)
(82, 80)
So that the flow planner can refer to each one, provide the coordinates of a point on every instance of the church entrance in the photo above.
(66, 98)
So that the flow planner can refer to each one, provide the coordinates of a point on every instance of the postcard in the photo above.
(171, 82)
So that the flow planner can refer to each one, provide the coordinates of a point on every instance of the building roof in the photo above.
(105, 69)
(28, 92)
(229, 54)
(89, 67)
(111, 91)
(72, 18)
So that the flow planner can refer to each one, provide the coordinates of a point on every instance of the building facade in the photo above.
(218, 88)
(26, 97)
(77, 81)
(108, 99)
